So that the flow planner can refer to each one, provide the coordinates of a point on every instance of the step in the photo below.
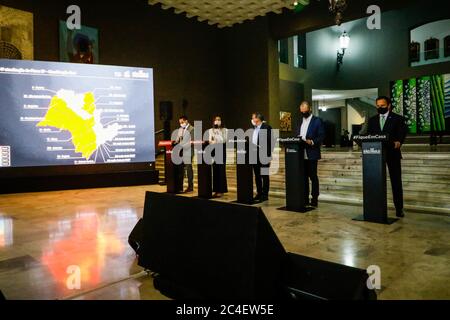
(332, 198)
(347, 178)
(426, 179)
(357, 191)
(407, 161)
(439, 185)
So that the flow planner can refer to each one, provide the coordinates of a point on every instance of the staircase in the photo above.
(364, 108)
(426, 179)
(423, 138)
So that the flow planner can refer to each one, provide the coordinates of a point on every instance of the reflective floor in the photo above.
(48, 239)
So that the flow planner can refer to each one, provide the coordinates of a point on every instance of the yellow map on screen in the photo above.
(78, 114)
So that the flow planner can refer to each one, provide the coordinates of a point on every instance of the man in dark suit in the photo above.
(261, 144)
(185, 137)
(312, 132)
(387, 122)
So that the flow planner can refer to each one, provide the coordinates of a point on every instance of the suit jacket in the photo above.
(316, 133)
(186, 139)
(395, 127)
(268, 141)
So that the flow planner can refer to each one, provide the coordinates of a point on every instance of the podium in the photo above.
(244, 172)
(204, 171)
(173, 173)
(295, 177)
(374, 179)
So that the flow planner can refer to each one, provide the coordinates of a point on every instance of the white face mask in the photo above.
(254, 123)
(184, 125)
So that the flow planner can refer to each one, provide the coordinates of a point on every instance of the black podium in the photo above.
(374, 179)
(173, 173)
(204, 171)
(295, 178)
(244, 172)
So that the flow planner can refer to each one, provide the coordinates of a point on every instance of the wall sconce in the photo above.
(344, 42)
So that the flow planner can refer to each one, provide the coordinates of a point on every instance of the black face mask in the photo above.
(383, 110)
(306, 114)
(216, 126)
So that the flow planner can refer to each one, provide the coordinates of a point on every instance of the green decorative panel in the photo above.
(397, 96)
(410, 104)
(424, 104)
(438, 103)
(447, 95)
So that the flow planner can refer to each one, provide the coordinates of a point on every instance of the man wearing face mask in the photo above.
(261, 143)
(387, 122)
(185, 137)
(310, 128)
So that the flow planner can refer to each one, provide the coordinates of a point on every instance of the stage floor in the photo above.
(42, 234)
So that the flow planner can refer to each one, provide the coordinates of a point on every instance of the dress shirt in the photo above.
(304, 130)
(385, 116)
(255, 134)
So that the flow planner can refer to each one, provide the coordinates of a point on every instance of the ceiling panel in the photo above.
(226, 13)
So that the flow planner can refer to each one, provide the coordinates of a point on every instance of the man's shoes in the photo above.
(189, 190)
(264, 198)
(258, 198)
(400, 214)
(314, 202)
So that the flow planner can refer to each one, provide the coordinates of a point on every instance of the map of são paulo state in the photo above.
(77, 113)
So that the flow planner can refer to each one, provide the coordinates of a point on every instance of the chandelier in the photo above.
(337, 7)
